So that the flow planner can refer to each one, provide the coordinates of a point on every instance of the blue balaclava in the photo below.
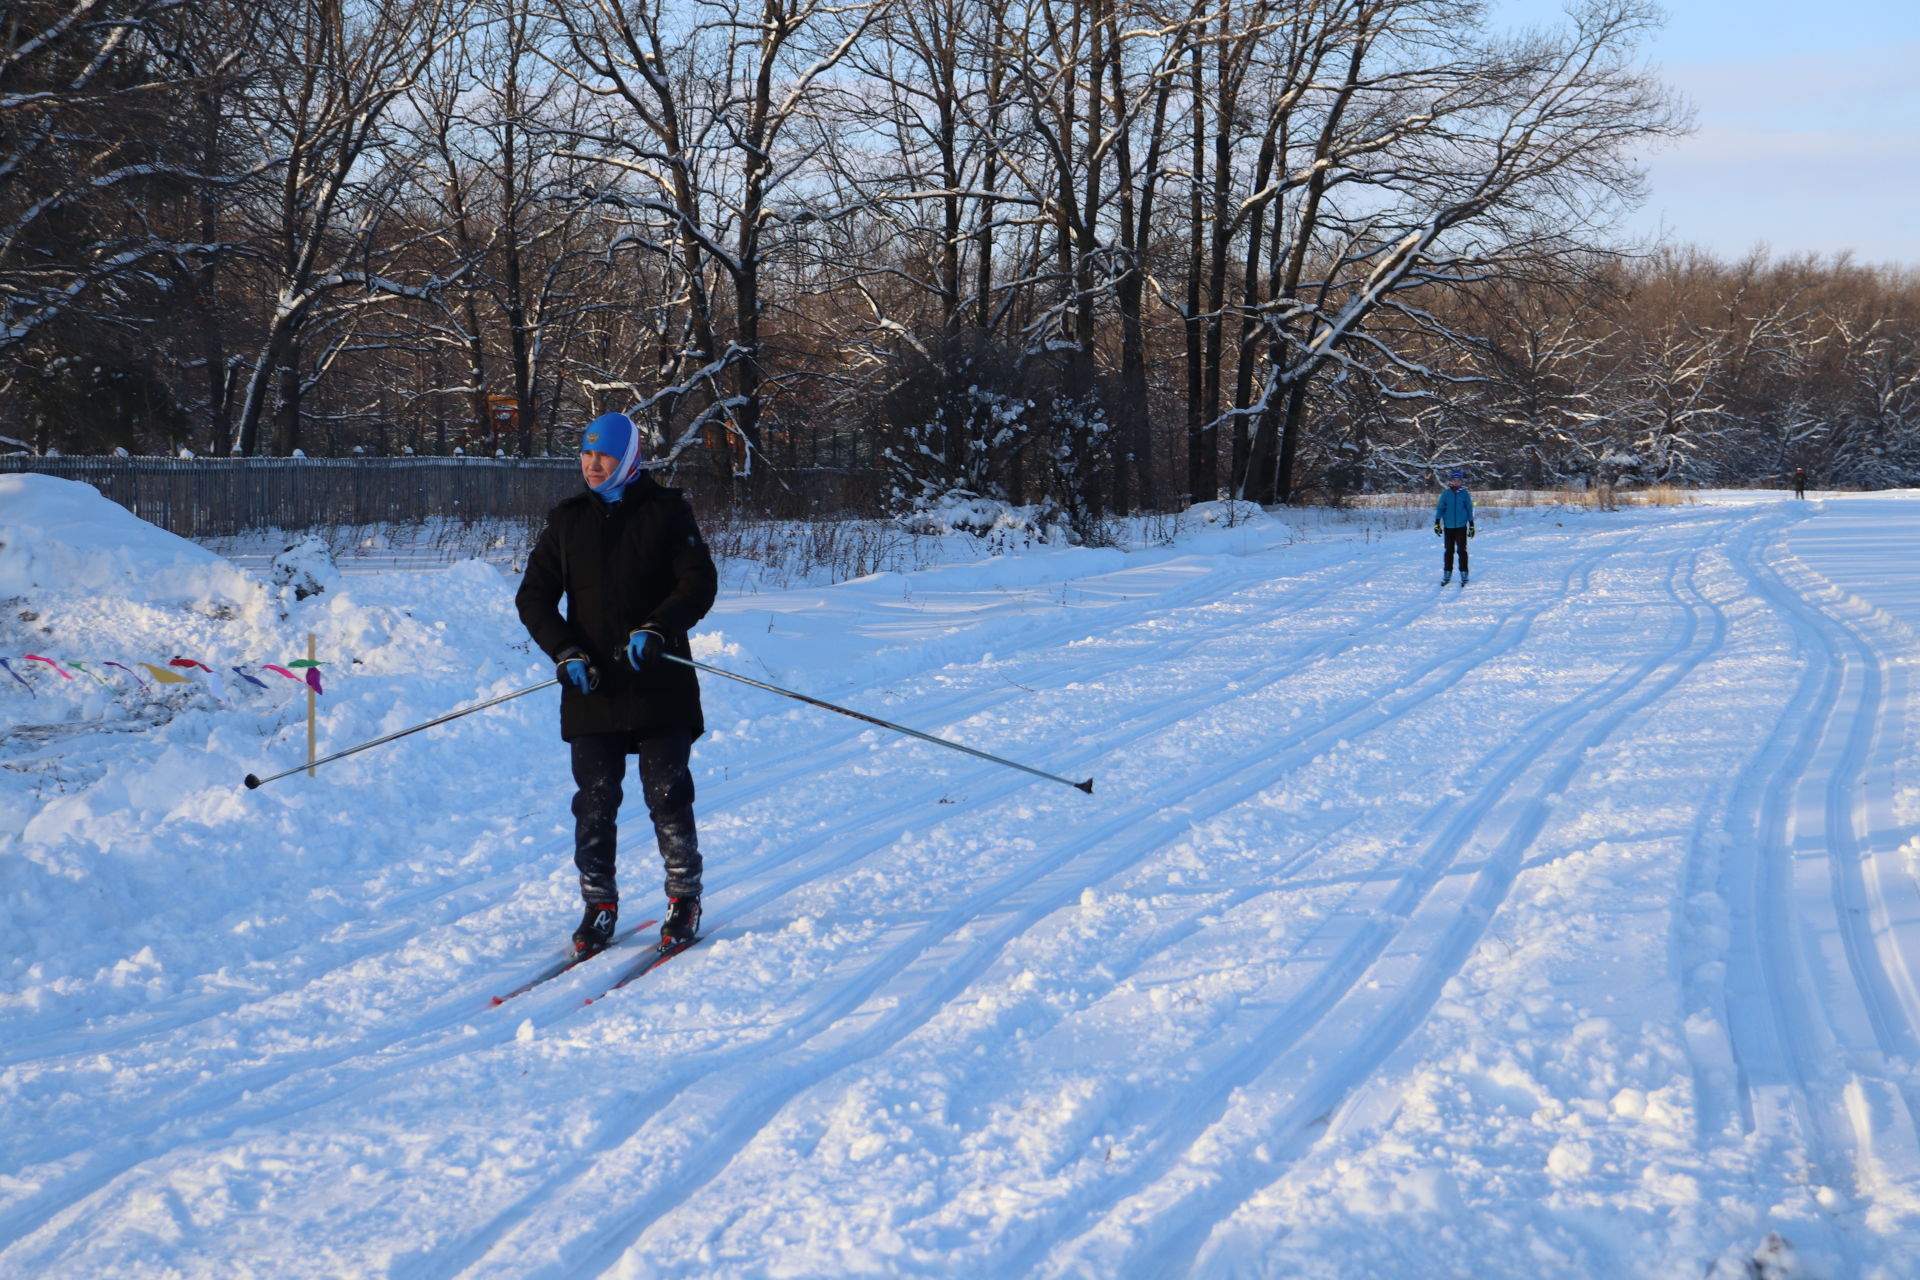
(615, 434)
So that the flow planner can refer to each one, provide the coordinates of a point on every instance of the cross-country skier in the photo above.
(1453, 521)
(636, 575)
(1799, 482)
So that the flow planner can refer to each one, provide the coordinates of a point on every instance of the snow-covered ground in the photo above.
(1566, 926)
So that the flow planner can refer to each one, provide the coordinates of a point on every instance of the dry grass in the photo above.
(758, 554)
(1606, 497)
(1661, 495)
(1599, 498)
(1385, 512)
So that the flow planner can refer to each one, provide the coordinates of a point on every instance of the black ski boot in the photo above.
(1446, 578)
(596, 928)
(1463, 577)
(682, 924)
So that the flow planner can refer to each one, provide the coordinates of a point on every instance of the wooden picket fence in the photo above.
(204, 497)
(214, 497)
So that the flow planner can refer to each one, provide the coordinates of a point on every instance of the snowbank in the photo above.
(60, 538)
(129, 850)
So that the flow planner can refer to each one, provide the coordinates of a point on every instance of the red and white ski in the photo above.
(567, 963)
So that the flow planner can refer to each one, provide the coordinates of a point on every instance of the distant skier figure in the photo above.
(1453, 521)
(629, 559)
(1799, 482)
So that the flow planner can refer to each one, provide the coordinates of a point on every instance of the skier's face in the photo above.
(597, 467)
(1454, 484)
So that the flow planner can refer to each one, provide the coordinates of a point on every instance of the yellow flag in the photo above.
(165, 676)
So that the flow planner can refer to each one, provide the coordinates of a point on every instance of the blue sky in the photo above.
(1808, 120)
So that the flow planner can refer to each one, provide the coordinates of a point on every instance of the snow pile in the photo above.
(1775, 1259)
(304, 568)
(1003, 526)
(61, 540)
(120, 797)
(82, 579)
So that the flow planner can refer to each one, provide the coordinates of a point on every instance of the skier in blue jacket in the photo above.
(1453, 521)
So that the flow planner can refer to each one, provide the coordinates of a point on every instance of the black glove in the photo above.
(643, 646)
(1469, 531)
(1436, 526)
(577, 670)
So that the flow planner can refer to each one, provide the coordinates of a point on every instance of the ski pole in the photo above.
(1086, 786)
(253, 782)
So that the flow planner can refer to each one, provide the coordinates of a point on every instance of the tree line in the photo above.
(1096, 254)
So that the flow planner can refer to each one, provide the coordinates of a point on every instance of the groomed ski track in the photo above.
(1567, 925)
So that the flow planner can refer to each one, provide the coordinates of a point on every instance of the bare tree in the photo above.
(93, 175)
(502, 208)
(337, 67)
(700, 139)
(1441, 159)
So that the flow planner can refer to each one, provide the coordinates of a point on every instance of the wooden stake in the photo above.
(312, 710)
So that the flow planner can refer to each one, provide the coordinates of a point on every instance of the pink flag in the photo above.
(34, 657)
(214, 681)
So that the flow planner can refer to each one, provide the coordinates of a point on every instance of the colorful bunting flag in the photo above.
(301, 670)
(214, 682)
(17, 676)
(130, 671)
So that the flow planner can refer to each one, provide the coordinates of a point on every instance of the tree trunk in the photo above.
(290, 422)
(1245, 347)
(1134, 422)
(1200, 467)
(517, 328)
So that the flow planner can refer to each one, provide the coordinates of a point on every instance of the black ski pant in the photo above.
(599, 768)
(1456, 539)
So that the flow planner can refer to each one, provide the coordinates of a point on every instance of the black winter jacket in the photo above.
(621, 566)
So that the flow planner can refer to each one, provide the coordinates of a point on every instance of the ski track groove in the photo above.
(849, 995)
(748, 1116)
(1784, 1037)
(1168, 1241)
(1812, 1024)
(1879, 972)
(1713, 1063)
(1812, 786)
(457, 1006)
(45, 1045)
(54, 1041)
(454, 1004)
(465, 897)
